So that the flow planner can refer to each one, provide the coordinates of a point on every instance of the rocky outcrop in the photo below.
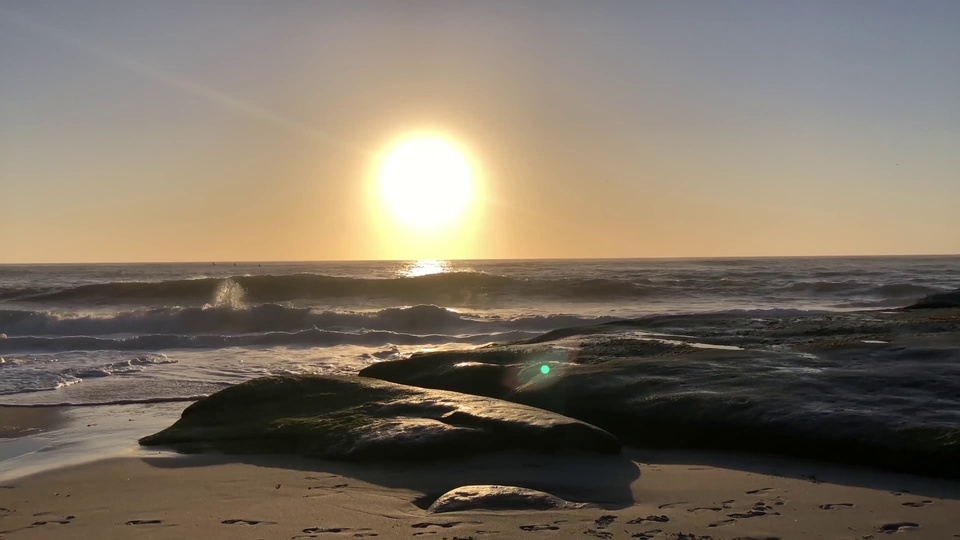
(366, 419)
(944, 300)
(671, 394)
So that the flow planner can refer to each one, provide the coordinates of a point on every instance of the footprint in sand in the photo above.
(337, 486)
(606, 535)
(313, 532)
(700, 508)
(832, 506)
(144, 522)
(890, 528)
(917, 504)
(670, 505)
(246, 522)
(759, 491)
(656, 519)
(722, 523)
(647, 535)
(605, 521)
(447, 525)
(531, 528)
(748, 514)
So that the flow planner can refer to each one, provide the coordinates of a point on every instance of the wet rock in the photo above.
(944, 300)
(367, 419)
(498, 498)
(653, 392)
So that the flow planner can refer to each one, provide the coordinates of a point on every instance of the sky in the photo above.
(234, 130)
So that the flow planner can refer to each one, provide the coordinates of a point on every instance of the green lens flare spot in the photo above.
(544, 369)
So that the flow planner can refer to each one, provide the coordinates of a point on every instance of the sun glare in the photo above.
(424, 268)
(425, 181)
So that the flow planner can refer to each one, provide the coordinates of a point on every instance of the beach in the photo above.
(641, 494)
(768, 398)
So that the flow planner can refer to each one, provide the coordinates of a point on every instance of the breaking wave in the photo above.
(303, 338)
(226, 319)
(435, 288)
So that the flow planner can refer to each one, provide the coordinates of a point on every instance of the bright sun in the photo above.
(426, 181)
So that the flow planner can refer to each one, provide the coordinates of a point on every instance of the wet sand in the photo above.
(23, 421)
(641, 494)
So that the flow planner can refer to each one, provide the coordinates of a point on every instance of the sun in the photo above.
(426, 181)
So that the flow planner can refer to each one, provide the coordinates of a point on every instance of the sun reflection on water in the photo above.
(423, 268)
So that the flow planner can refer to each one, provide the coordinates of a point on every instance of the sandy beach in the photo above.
(639, 494)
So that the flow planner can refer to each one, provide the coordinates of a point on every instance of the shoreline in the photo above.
(47, 439)
(19, 422)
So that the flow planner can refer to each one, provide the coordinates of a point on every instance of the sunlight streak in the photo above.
(172, 80)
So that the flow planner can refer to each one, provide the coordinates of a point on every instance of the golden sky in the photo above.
(227, 131)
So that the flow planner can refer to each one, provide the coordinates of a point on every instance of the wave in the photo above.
(460, 288)
(447, 288)
(304, 338)
(121, 367)
(31, 374)
(891, 291)
(132, 401)
(271, 318)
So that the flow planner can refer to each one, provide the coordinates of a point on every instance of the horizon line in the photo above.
(519, 259)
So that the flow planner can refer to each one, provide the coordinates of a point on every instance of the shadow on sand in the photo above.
(818, 472)
(601, 480)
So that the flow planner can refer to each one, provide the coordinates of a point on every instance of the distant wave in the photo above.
(893, 291)
(455, 287)
(419, 319)
(313, 338)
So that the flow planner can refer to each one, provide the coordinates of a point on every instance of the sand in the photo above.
(24, 421)
(638, 495)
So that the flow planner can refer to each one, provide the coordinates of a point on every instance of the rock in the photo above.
(944, 300)
(366, 419)
(498, 498)
(671, 394)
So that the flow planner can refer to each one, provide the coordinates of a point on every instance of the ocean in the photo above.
(143, 335)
